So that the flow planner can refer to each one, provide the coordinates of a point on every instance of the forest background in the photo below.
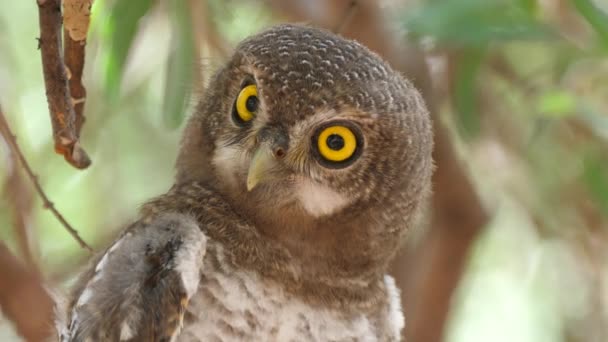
(514, 245)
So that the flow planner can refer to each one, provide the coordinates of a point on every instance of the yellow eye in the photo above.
(247, 103)
(337, 143)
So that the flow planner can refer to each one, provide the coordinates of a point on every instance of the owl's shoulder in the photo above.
(153, 266)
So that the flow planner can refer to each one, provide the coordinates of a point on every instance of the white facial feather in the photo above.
(227, 159)
(319, 200)
(304, 127)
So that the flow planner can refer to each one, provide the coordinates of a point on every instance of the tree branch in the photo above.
(21, 207)
(63, 116)
(76, 18)
(14, 147)
(24, 300)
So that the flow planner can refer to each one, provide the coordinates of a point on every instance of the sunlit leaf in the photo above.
(119, 31)
(557, 103)
(474, 22)
(596, 18)
(180, 65)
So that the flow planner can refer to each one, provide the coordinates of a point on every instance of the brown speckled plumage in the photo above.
(303, 255)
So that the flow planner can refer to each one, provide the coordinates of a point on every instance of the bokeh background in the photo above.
(514, 246)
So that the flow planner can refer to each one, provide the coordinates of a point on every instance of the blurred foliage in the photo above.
(522, 83)
(476, 22)
(595, 17)
(527, 84)
(120, 24)
(180, 65)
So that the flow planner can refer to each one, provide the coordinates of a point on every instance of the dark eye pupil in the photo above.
(335, 142)
(252, 103)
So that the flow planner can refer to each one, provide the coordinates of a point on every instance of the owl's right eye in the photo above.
(246, 104)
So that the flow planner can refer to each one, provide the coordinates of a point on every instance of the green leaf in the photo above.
(595, 176)
(557, 103)
(529, 6)
(180, 65)
(119, 31)
(465, 91)
(596, 18)
(476, 22)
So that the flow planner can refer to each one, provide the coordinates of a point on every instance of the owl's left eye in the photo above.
(246, 104)
(337, 144)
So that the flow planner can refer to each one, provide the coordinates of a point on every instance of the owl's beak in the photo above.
(261, 164)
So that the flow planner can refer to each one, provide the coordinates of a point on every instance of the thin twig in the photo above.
(14, 147)
(61, 107)
(346, 17)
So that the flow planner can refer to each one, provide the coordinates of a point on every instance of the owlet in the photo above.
(299, 173)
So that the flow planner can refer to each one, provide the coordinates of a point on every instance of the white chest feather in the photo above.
(241, 307)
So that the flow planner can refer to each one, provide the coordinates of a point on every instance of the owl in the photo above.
(299, 173)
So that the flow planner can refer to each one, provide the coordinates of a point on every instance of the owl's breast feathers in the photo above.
(140, 288)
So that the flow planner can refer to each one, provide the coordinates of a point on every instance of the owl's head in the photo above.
(302, 126)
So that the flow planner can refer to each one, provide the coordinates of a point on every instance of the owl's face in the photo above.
(277, 151)
(306, 124)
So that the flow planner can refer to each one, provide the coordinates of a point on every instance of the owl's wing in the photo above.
(139, 288)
